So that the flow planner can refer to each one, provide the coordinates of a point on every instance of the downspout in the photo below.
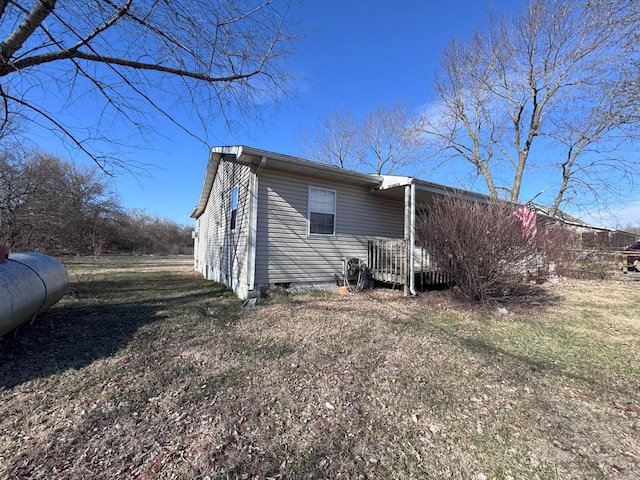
(412, 240)
(253, 229)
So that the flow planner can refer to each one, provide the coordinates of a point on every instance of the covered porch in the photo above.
(400, 261)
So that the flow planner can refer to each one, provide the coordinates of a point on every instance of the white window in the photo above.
(322, 211)
(233, 205)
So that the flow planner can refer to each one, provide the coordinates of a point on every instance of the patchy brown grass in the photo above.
(144, 371)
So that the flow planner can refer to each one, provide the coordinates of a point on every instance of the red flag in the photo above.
(527, 215)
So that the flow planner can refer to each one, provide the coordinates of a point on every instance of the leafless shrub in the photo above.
(560, 246)
(480, 245)
(567, 255)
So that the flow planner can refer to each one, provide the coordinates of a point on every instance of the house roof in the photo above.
(567, 219)
(562, 217)
(279, 162)
(386, 185)
(392, 186)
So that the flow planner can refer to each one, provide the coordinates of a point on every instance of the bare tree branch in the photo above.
(559, 80)
(389, 139)
(382, 142)
(220, 59)
(336, 140)
(27, 27)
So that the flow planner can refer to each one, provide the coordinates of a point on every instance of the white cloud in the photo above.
(616, 217)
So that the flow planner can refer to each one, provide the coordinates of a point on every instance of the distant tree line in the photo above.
(632, 229)
(54, 206)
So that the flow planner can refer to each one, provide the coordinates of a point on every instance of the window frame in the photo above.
(233, 208)
(310, 211)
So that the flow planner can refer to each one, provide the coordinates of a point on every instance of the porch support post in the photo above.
(407, 195)
(409, 237)
(412, 239)
(407, 227)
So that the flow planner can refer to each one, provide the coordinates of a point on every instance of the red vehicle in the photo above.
(633, 260)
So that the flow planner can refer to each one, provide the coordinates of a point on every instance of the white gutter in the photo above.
(253, 229)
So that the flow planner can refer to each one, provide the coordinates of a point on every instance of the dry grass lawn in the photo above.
(147, 371)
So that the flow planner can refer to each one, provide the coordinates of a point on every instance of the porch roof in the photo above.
(393, 186)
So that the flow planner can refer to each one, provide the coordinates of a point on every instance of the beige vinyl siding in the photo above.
(287, 253)
(222, 253)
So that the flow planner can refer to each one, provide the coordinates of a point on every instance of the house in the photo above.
(265, 219)
(589, 236)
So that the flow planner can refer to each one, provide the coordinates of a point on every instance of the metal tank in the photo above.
(30, 283)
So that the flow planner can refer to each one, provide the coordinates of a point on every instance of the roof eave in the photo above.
(215, 156)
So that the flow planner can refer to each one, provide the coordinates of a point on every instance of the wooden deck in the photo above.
(389, 262)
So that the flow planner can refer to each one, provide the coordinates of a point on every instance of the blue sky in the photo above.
(355, 54)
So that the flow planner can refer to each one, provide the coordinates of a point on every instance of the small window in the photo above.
(322, 211)
(233, 204)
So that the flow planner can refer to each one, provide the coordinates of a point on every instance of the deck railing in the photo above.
(426, 270)
(388, 260)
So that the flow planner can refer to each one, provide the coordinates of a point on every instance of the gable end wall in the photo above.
(221, 254)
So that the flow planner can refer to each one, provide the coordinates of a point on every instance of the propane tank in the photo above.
(30, 283)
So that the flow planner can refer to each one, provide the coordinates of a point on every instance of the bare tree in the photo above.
(384, 141)
(55, 206)
(389, 139)
(335, 140)
(561, 77)
(127, 59)
(15, 190)
(58, 207)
